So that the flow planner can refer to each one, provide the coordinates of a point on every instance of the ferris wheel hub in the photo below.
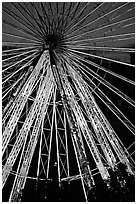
(53, 41)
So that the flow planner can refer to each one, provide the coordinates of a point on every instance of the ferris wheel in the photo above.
(68, 100)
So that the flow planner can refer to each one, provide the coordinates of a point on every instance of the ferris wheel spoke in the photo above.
(97, 19)
(18, 62)
(74, 9)
(60, 21)
(100, 28)
(12, 79)
(107, 38)
(84, 128)
(83, 19)
(40, 25)
(114, 109)
(111, 20)
(108, 49)
(29, 153)
(27, 124)
(81, 157)
(106, 83)
(115, 16)
(16, 50)
(100, 116)
(40, 148)
(8, 43)
(105, 146)
(28, 12)
(51, 133)
(100, 57)
(117, 146)
(47, 17)
(66, 139)
(22, 98)
(81, 176)
(11, 87)
(95, 123)
(69, 13)
(18, 19)
(19, 88)
(109, 103)
(18, 55)
(50, 7)
(29, 23)
(56, 20)
(57, 145)
(43, 22)
(16, 189)
(53, 26)
(131, 145)
(20, 37)
(67, 38)
(27, 64)
(20, 29)
(106, 43)
(73, 13)
(106, 70)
